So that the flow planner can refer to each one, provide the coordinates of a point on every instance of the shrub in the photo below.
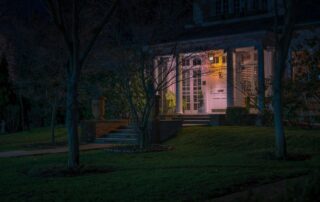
(237, 115)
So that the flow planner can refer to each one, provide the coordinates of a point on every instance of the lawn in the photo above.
(31, 139)
(207, 162)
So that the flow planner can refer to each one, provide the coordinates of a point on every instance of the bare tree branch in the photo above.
(97, 30)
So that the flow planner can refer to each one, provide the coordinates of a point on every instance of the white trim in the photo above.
(221, 22)
(206, 39)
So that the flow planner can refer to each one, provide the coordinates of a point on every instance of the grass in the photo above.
(207, 162)
(31, 139)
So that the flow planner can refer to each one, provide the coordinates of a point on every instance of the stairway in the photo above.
(200, 120)
(195, 120)
(123, 135)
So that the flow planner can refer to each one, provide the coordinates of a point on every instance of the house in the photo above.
(224, 58)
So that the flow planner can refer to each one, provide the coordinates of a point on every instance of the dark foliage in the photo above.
(62, 171)
(237, 116)
(6, 91)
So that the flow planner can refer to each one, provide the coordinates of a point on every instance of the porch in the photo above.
(207, 82)
(189, 120)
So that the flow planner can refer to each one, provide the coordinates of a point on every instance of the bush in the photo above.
(267, 116)
(237, 115)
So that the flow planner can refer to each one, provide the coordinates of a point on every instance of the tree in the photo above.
(66, 16)
(138, 82)
(52, 82)
(3, 9)
(302, 92)
(18, 33)
(142, 75)
(6, 92)
(283, 36)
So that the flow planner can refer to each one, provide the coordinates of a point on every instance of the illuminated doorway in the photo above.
(217, 82)
(193, 99)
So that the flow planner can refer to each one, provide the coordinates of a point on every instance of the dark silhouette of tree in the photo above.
(6, 90)
(283, 37)
(134, 55)
(302, 91)
(66, 16)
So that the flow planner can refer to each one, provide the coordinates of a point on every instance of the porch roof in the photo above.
(225, 29)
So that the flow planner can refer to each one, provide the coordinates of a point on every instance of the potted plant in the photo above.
(98, 108)
(97, 103)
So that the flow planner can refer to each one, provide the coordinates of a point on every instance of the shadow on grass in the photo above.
(137, 149)
(305, 191)
(63, 171)
(37, 146)
(290, 157)
(301, 189)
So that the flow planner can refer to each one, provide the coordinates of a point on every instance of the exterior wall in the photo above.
(206, 11)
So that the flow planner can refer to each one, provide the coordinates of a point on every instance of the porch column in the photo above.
(261, 79)
(230, 90)
(179, 104)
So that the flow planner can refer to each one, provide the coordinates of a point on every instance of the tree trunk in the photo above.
(281, 150)
(53, 121)
(72, 123)
(72, 91)
(21, 112)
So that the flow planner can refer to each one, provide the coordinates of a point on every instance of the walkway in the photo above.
(22, 153)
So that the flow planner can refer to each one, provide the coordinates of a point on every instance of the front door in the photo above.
(217, 83)
(193, 102)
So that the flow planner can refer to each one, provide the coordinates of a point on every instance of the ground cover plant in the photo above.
(206, 162)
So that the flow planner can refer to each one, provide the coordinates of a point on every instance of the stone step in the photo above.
(192, 117)
(196, 121)
(126, 127)
(192, 125)
(120, 135)
(124, 130)
(197, 116)
(117, 140)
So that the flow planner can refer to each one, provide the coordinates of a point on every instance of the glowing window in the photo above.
(224, 59)
(215, 60)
